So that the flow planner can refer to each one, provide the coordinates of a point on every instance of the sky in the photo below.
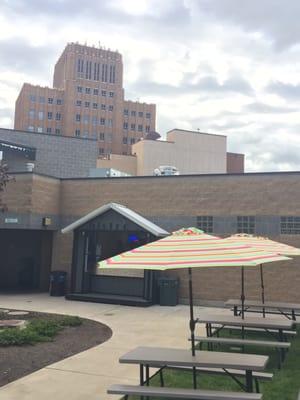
(227, 67)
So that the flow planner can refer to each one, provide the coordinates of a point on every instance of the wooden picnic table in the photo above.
(289, 310)
(267, 324)
(161, 357)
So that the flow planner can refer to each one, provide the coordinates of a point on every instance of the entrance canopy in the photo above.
(125, 212)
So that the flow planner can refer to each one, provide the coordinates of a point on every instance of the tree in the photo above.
(4, 179)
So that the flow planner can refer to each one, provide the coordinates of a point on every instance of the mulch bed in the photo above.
(18, 361)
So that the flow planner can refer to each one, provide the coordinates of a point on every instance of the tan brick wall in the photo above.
(45, 195)
(18, 194)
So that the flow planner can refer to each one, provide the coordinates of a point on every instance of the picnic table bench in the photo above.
(246, 342)
(160, 357)
(289, 310)
(176, 393)
(266, 324)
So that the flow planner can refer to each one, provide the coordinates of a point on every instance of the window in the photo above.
(132, 127)
(101, 136)
(94, 121)
(59, 102)
(101, 150)
(32, 97)
(88, 90)
(141, 114)
(110, 108)
(124, 140)
(148, 115)
(31, 113)
(126, 111)
(290, 225)
(50, 115)
(86, 119)
(205, 223)
(42, 100)
(133, 113)
(140, 128)
(96, 92)
(85, 134)
(246, 224)
(79, 89)
(102, 121)
(86, 104)
(95, 105)
(31, 128)
(40, 129)
(57, 131)
(103, 107)
(77, 132)
(49, 130)
(58, 116)
(41, 115)
(147, 129)
(50, 100)
(132, 140)
(78, 117)
(109, 122)
(125, 125)
(111, 94)
(78, 103)
(103, 93)
(109, 137)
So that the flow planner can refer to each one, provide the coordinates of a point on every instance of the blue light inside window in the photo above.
(132, 239)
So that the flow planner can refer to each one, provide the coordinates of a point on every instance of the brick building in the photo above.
(87, 100)
(261, 203)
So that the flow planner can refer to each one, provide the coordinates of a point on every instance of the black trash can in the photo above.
(168, 291)
(58, 283)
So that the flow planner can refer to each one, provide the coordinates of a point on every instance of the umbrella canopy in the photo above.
(265, 244)
(191, 248)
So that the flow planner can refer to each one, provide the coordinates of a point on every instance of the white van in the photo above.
(166, 170)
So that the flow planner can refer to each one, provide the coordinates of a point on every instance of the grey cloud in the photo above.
(16, 54)
(285, 90)
(208, 84)
(262, 108)
(276, 19)
(6, 112)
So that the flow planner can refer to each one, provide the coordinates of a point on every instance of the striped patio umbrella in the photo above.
(266, 244)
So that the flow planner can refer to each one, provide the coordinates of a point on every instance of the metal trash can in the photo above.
(168, 291)
(58, 281)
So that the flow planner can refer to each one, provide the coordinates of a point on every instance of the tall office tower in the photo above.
(87, 100)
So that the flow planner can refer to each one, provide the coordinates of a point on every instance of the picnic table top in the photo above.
(253, 322)
(267, 304)
(161, 356)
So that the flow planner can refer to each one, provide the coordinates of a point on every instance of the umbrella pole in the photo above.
(243, 300)
(262, 289)
(192, 324)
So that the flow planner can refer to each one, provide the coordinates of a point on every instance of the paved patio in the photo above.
(88, 374)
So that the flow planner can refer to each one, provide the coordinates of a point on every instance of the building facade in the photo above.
(191, 152)
(54, 155)
(87, 100)
(265, 204)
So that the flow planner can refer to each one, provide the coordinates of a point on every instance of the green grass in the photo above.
(284, 386)
(37, 330)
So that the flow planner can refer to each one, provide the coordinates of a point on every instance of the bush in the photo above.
(37, 330)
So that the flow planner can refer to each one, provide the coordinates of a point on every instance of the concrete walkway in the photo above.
(88, 374)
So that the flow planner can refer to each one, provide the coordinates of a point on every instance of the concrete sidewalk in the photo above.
(88, 374)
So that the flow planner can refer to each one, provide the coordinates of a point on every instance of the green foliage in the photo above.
(37, 330)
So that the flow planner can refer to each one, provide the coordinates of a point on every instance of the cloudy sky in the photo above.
(222, 66)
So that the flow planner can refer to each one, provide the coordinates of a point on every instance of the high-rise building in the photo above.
(87, 100)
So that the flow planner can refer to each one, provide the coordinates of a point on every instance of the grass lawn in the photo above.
(284, 386)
